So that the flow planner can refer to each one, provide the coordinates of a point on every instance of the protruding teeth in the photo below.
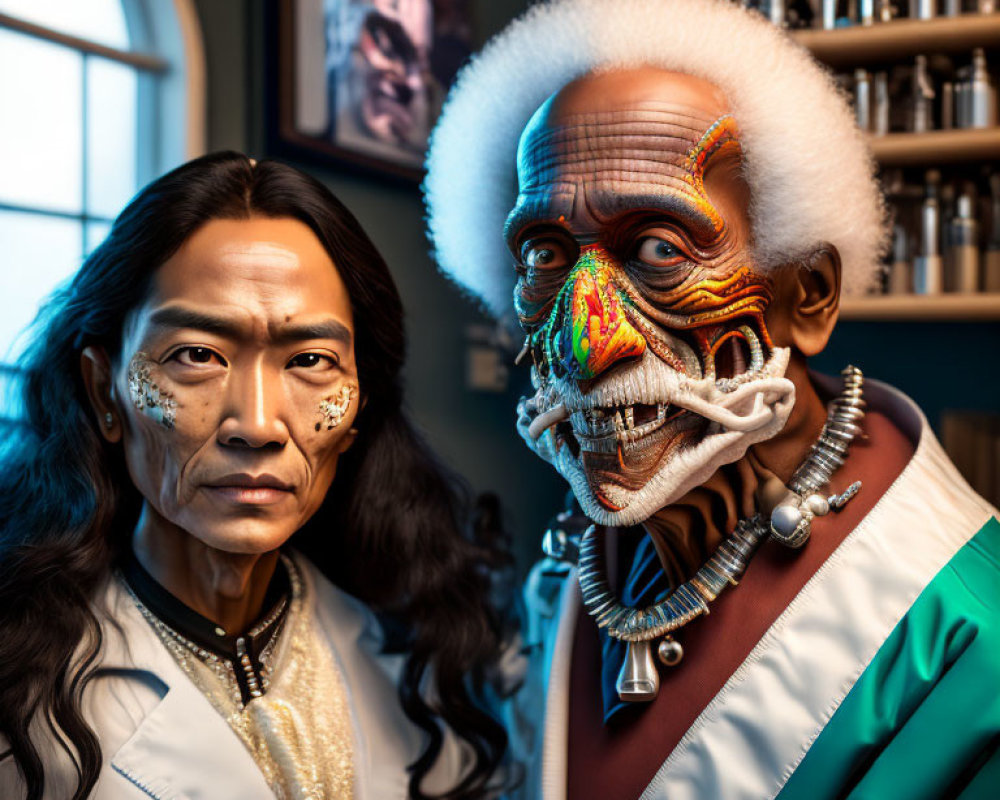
(599, 429)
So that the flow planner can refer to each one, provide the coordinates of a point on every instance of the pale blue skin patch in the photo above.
(148, 397)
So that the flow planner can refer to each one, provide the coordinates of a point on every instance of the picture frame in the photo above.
(359, 83)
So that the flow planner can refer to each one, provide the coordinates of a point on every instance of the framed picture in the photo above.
(361, 82)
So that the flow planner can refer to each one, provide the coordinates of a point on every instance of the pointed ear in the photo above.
(95, 367)
(806, 302)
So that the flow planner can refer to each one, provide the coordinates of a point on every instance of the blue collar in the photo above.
(645, 583)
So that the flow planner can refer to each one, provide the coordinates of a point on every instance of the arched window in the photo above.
(97, 97)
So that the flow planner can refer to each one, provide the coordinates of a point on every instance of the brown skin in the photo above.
(801, 316)
(243, 466)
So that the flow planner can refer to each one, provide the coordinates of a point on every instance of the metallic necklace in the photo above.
(789, 524)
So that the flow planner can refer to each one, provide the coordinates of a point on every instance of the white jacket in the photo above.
(161, 738)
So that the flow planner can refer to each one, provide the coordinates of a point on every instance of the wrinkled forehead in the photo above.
(644, 136)
(593, 165)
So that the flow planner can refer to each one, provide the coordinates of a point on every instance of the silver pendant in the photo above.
(670, 652)
(638, 681)
(791, 522)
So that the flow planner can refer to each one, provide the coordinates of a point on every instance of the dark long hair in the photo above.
(393, 514)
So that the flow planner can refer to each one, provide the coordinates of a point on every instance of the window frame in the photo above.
(167, 54)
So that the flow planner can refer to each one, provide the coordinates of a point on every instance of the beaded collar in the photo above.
(241, 660)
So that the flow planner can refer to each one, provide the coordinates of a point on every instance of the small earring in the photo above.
(109, 420)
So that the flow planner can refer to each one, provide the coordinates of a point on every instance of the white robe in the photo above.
(161, 738)
(754, 733)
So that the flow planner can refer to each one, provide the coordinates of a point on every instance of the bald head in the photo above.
(612, 141)
(621, 90)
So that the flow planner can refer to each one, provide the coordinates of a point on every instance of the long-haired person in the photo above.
(229, 567)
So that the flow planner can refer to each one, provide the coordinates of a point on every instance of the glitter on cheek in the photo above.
(334, 407)
(156, 403)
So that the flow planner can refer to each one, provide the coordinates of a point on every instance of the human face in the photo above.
(238, 385)
(637, 287)
(389, 84)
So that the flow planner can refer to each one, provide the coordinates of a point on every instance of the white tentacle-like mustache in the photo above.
(643, 396)
(646, 420)
(547, 419)
(765, 393)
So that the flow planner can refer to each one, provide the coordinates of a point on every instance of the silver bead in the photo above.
(784, 520)
(791, 526)
(799, 536)
(670, 652)
(818, 505)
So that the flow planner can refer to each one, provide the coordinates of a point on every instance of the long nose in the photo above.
(590, 331)
(253, 409)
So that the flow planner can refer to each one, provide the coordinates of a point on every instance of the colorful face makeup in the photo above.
(642, 305)
(157, 404)
(247, 332)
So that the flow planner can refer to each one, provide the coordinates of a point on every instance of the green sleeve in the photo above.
(923, 720)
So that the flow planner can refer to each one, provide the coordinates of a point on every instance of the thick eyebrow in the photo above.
(179, 317)
(321, 329)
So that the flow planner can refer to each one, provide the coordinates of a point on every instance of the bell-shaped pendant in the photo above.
(638, 681)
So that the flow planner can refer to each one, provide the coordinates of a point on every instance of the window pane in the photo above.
(98, 20)
(38, 253)
(111, 124)
(95, 234)
(41, 135)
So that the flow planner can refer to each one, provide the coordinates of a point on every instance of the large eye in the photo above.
(658, 252)
(196, 356)
(543, 254)
(315, 362)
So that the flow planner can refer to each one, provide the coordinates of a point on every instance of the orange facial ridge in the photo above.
(722, 136)
(723, 298)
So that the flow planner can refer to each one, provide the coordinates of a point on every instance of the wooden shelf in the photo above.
(936, 147)
(922, 308)
(902, 39)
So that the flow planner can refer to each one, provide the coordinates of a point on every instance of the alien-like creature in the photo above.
(642, 303)
(674, 195)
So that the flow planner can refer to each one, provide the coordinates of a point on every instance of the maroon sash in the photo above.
(618, 760)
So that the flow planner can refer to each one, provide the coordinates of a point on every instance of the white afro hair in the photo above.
(811, 174)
